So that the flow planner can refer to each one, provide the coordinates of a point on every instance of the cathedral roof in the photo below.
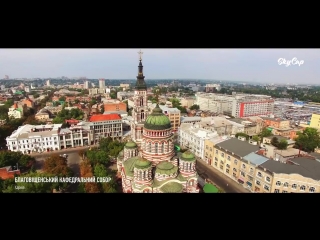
(166, 168)
(188, 156)
(131, 144)
(157, 120)
(142, 163)
(172, 187)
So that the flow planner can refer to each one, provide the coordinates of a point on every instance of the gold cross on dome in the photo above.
(140, 54)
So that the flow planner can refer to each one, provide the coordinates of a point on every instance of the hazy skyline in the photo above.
(259, 65)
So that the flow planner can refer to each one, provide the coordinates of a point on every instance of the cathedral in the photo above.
(149, 163)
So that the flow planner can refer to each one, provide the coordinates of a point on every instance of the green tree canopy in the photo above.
(241, 134)
(24, 162)
(308, 140)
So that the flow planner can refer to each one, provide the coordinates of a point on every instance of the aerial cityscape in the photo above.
(160, 121)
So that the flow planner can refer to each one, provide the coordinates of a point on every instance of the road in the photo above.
(222, 181)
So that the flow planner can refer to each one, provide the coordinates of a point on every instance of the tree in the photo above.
(86, 171)
(24, 162)
(275, 141)
(62, 99)
(283, 144)
(195, 107)
(308, 140)
(97, 156)
(58, 166)
(265, 133)
(256, 138)
(241, 134)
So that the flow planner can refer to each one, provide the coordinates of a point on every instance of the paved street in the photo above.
(218, 178)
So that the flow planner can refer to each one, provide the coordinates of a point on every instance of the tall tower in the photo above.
(102, 83)
(140, 109)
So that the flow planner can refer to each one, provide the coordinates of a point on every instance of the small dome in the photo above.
(166, 168)
(172, 187)
(131, 144)
(188, 156)
(142, 163)
(157, 120)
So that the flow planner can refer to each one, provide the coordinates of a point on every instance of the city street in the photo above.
(219, 179)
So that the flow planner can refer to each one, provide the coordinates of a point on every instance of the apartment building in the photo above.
(212, 87)
(15, 112)
(229, 155)
(190, 119)
(298, 175)
(124, 86)
(106, 125)
(43, 115)
(194, 138)
(257, 105)
(174, 115)
(249, 177)
(209, 152)
(114, 105)
(315, 121)
(124, 95)
(258, 121)
(249, 128)
(187, 102)
(96, 91)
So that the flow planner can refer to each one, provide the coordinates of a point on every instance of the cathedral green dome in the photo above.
(172, 187)
(157, 120)
(188, 156)
(131, 144)
(166, 168)
(142, 163)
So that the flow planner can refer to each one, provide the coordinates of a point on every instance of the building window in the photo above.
(286, 184)
(243, 166)
(302, 188)
(284, 192)
(222, 154)
(259, 174)
(278, 183)
(312, 189)
(242, 174)
(216, 151)
(235, 170)
(276, 191)
(234, 175)
(228, 158)
(227, 171)
(228, 166)
(266, 187)
(216, 164)
(235, 161)
(258, 183)
(221, 167)
(268, 179)
(294, 186)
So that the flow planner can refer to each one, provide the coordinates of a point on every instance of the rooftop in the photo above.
(238, 147)
(255, 158)
(104, 117)
(306, 167)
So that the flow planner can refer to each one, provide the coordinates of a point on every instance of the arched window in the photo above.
(312, 189)
(156, 147)
(286, 184)
(294, 186)
(259, 174)
(162, 147)
(235, 170)
(302, 188)
(149, 146)
(278, 183)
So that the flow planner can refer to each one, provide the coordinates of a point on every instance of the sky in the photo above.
(245, 65)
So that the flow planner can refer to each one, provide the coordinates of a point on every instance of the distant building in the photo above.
(114, 105)
(172, 113)
(315, 121)
(86, 84)
(27, 89)
(48, 83)
(210, 88)
(6, 77)
(102, 83)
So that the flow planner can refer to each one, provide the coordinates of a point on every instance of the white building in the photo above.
(42, 138)
(27, 89)
(102, 83)
(86, 84)
(48, 83)
(95, 91)
(194, 138)
(15, 113)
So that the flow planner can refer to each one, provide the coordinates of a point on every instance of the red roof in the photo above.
(105, 117)
(6, 173)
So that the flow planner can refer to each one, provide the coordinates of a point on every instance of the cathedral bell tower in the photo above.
(140, 109)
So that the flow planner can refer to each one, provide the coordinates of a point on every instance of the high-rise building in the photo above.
(140, 109)
(102, 83)
(86, 84)
(48, 82)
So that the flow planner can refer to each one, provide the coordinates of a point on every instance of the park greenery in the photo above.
(65, 114)
(96, 163)
(282, 144)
